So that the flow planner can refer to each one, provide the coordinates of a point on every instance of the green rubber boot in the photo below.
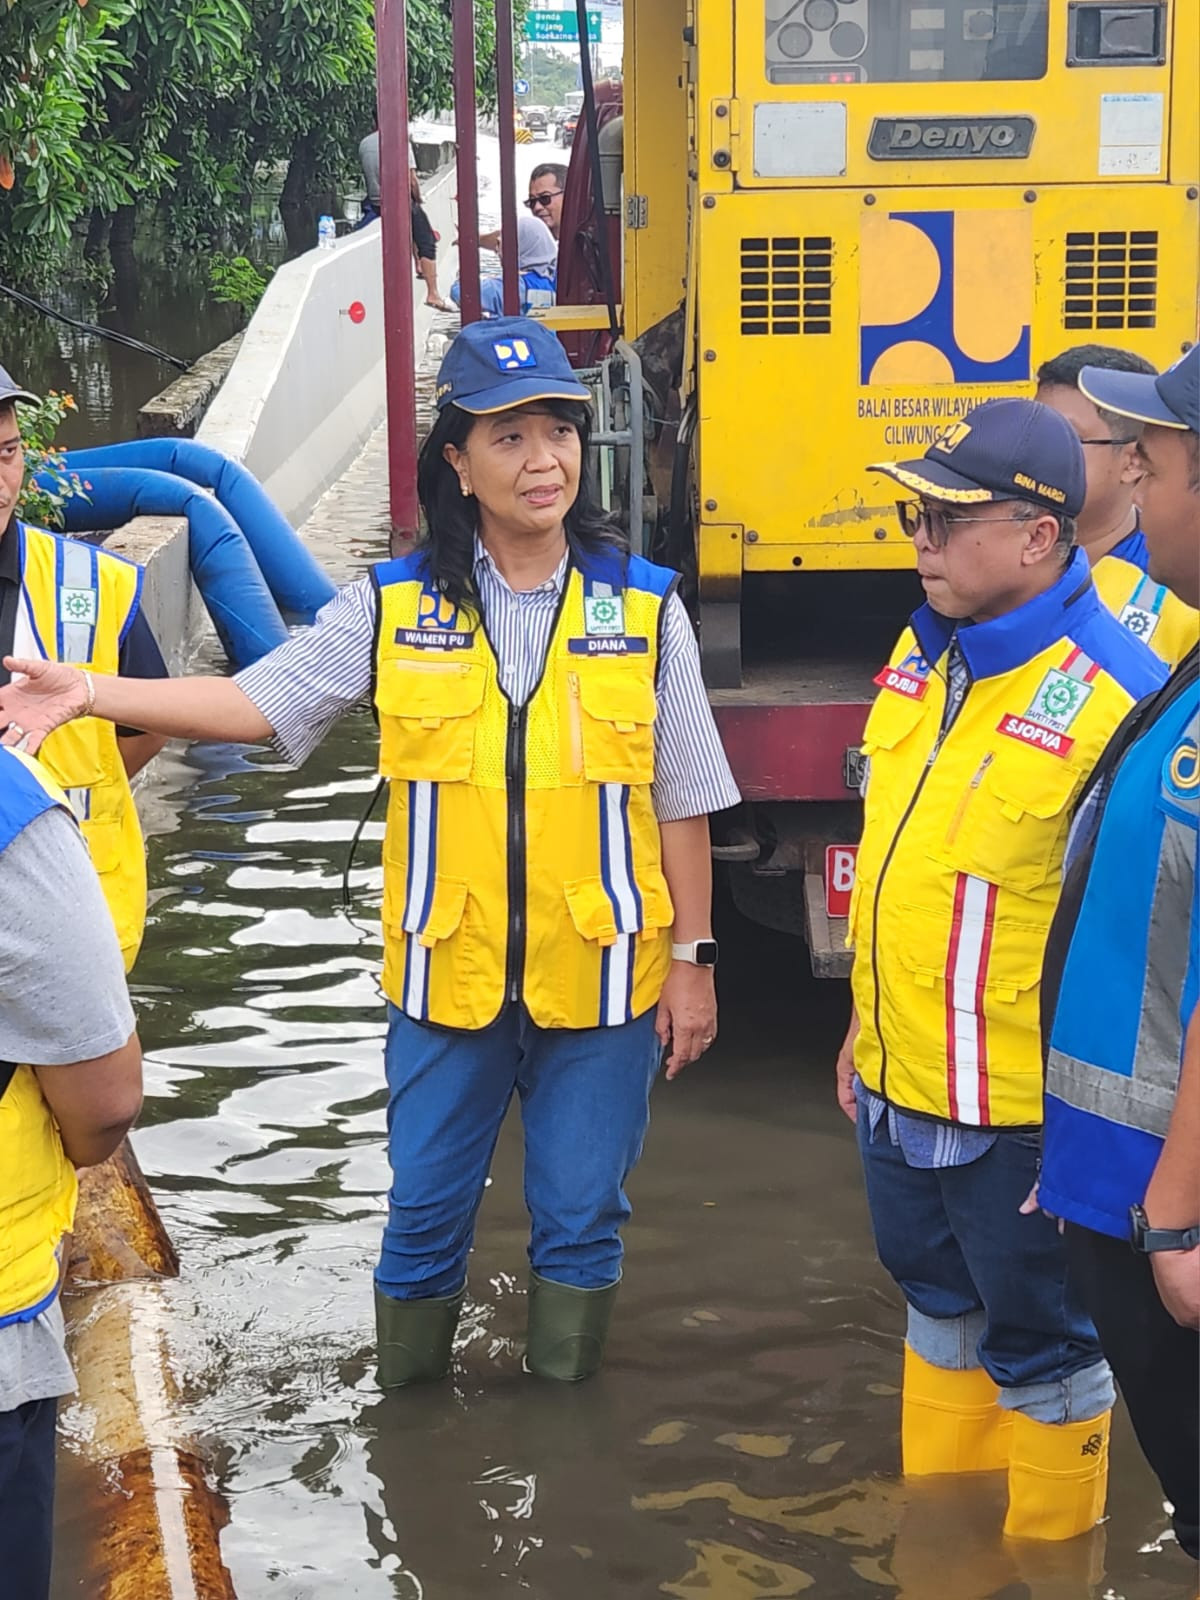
(567, 1329)
(414, 1338)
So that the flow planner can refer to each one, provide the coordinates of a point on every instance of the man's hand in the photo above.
(687, 1014)
(42, 696)
(1177, 1278)
(845, 1071)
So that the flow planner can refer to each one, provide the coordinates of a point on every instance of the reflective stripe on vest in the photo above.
(76, 606)
(522, 858)
(1148, 609)
(958, 875)
(37, 1182)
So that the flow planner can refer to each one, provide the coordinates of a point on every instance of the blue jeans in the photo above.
(585, 1107)
(27, 1498)
(986, 1286)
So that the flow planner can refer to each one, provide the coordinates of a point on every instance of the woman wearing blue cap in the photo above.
(551, 762)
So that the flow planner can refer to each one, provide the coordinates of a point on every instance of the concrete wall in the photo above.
(306, 389)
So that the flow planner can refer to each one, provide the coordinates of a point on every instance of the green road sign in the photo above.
(560, 27)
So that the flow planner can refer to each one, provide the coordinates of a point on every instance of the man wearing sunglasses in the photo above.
(1109, 528)
(546, 185)
(999, 698)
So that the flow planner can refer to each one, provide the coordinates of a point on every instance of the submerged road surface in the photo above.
(742, 1441)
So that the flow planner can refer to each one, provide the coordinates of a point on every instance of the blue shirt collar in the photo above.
(1132, 548)
(993, 648)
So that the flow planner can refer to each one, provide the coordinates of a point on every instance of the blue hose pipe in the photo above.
(293, 575)
(225, 571)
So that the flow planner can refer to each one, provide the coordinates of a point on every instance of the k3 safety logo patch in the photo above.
(1140, 622)
(1059, 699)
(78, 605)
(603, 614)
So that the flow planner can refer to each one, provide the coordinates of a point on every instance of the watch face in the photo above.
(706, 952)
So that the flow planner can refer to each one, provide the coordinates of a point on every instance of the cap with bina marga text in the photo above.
(1001, 450)
(1169, 399)
(11, 390)
(504, 362)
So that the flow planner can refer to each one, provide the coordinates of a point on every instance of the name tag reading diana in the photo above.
(434, 638)
(617, 644)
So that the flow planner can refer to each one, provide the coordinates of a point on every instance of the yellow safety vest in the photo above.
(522, 857)
(76, 605)
(1148, 609)
(959, 868)
(37, 1182)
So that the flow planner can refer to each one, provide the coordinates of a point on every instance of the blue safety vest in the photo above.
(1130, 975)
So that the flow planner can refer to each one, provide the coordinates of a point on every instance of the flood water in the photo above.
(741, 1442)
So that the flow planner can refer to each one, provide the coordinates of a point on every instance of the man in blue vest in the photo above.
(70, 1086)
(1121, 988)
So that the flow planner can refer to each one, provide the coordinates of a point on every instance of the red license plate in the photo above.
(840, 860)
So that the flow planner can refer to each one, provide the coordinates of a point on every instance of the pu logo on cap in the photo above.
(951, 437)
(513, 354)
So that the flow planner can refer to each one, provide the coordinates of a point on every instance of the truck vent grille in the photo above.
(1111, 280)
(787, 285)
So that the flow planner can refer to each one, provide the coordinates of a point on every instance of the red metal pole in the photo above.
(462, 16)
(399, 331)
(505, 101)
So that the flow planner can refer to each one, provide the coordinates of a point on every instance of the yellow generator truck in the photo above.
(876, 213)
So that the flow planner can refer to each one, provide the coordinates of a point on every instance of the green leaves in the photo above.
(180, 105)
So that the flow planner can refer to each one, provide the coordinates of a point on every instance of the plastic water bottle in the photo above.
(326, 233)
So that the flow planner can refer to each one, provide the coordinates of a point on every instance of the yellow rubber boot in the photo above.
(1057, 1477)
(950, 1421)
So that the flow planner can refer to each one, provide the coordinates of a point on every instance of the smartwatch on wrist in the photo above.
(1148, 1241)
(700, 952)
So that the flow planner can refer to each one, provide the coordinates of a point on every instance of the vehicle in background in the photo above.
(566, 129)
(556, 115)
(537, 119)
(891, 213)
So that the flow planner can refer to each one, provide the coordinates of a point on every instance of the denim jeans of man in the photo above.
(985, 1285)
(27, 1499)
(585, 1107)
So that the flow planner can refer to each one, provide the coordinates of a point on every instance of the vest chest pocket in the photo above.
(428, 711)
(1010, 824)
(612, 708)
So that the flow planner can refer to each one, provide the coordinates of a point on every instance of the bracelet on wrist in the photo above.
(89, 684)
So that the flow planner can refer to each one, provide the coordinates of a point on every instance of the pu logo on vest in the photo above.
(950, 138)
(513, 354)
(437, 626)
(910, 678)
(945, 297)
(78, 605)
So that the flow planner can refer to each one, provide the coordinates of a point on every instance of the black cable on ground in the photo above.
(95, 328)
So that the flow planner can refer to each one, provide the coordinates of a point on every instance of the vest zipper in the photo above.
(514, 766)
(576, 722)
(961, 807)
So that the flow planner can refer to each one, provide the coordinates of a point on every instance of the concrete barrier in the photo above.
(306, 389)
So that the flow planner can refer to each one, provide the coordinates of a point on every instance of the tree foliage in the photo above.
(107, 105)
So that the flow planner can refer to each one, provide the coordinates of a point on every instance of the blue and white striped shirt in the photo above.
(305, 684)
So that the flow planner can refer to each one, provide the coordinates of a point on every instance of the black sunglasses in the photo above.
(543, 199)
(939, 524)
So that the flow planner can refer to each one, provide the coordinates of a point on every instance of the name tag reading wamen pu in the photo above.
(619, 644)
(434, 638)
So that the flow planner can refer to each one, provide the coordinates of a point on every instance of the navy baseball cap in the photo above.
(1002, 450)
(9, 390)
(1170, 399)
(505, 362)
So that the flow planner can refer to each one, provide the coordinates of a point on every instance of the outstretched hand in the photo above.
(41, 697)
